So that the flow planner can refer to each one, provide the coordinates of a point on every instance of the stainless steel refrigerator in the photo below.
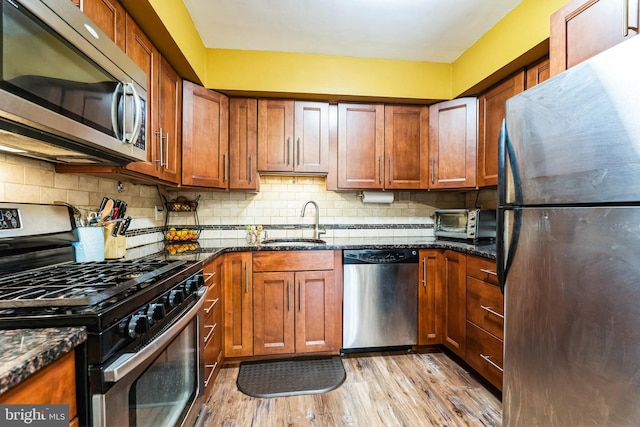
(569, 246)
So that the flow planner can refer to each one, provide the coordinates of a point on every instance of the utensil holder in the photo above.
(90, 244)
(114, 247)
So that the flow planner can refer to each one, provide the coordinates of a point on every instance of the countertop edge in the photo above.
(54, 343)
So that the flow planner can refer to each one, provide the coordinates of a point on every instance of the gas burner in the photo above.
(81, 284)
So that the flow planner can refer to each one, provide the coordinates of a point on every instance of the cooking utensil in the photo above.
(103, 203)
(125, 225)
(106, 211)
(116, 209)
(116, 228)
(123, 208)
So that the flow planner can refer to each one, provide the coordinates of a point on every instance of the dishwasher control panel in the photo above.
(380, 256)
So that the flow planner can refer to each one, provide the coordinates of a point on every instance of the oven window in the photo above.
(454, 223)
(163, 393)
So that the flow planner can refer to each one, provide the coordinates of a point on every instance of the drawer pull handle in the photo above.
(213, 369)
(213, 328)
(495, 313)
(493, 273)
(488, 359)
(213, 302)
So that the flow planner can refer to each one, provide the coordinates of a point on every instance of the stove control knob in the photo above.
(175, 297)
(138, 324)
(191, 285)
(155, 312)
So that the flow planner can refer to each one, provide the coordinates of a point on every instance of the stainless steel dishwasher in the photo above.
(380, 305)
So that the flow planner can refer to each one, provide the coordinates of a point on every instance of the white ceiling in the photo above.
(419, 30)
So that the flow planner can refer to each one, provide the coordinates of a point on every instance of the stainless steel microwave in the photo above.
(465, 224)
(68, 94)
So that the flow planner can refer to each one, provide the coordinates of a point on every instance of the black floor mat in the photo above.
(277, 378)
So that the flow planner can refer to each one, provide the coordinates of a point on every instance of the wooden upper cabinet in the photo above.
(164, 109)
(360, 146)
(406, 147)
(293, 136)
(452, 143)
(492, 108)
(169, 131)
(109, 16)
(243, 144)
(584, 28)
(538, 72)
(140, 49)
(205, 143)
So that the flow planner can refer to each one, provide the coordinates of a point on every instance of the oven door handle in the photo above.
(126, 363)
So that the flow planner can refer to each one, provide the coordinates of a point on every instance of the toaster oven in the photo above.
(465, 224)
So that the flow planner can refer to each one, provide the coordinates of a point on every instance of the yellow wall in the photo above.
(522, 29)
(176, 18)
(318, 74)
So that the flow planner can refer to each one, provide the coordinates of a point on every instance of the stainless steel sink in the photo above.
(293, 242)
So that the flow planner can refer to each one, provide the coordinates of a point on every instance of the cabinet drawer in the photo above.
(293, 261)
(212, 360)
(485, 306)
(484, 354)
(482, 269)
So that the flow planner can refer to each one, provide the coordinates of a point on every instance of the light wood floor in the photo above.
(381, 389)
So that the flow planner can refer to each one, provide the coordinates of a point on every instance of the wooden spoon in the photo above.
(106, 211)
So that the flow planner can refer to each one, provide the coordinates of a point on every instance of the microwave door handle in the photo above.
(137, 124)
(130, 361)
(114, 110)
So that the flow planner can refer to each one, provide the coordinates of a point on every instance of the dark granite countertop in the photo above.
(25, 351)
(213, 247)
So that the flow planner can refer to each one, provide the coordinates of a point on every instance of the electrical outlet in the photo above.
(158, 213)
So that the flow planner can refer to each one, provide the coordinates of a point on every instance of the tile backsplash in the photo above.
(279, 202)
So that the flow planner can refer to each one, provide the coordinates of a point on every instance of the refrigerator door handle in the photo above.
(504, 255)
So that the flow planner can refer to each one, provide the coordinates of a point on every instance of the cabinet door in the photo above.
(169, 121)
(406, 148)
(140, 49)
(316, 312)
(109, 16)
(455, 305)
(205, 143)
(311, 133)
(243, 144)
(430, 298)
(238, 305)
(584, 28)
(452, 143)
(492, 107)
(275, 135)
(538, 72)
(360, 146)
(274, 306)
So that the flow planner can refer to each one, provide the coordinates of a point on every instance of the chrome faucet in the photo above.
(316, 233)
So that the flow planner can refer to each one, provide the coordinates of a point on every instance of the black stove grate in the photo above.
(80, 284)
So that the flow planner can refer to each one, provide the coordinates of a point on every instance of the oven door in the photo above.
(451, 223)
(162, 384)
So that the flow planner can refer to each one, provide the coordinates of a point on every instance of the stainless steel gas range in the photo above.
(142, 363)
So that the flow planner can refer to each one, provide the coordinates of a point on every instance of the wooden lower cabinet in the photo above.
(430, 297)
(485, 320)
(53, 384)
(212, 331)
(296, 302)
(238, 304)
(454, 301)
